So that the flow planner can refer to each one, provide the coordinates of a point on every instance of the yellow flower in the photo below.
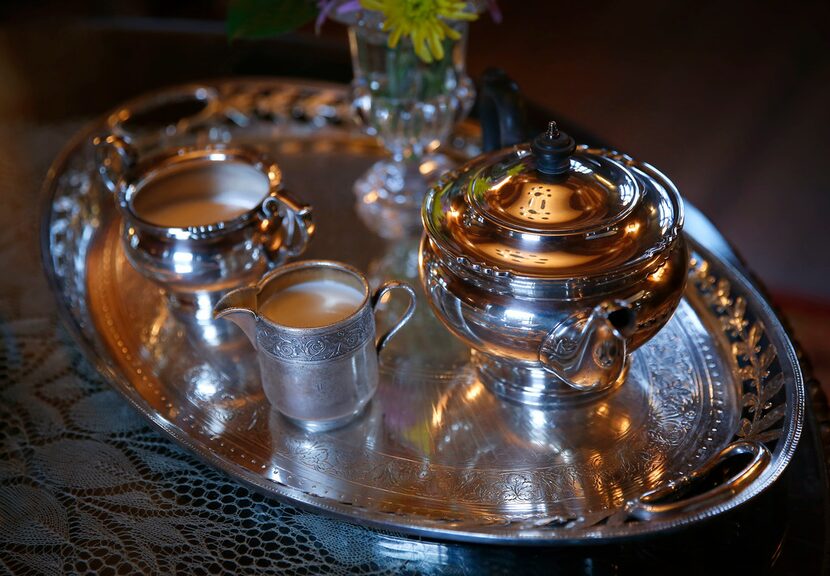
(423, 21)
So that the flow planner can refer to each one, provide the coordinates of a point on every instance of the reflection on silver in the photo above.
(435, 453)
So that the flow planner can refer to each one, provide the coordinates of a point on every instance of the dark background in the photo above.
(730, 99)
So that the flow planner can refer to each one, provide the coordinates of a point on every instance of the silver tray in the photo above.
(714, 403)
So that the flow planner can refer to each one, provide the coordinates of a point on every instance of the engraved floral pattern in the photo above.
(320, 346)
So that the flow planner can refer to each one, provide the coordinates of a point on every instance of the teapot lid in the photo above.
(554, 210)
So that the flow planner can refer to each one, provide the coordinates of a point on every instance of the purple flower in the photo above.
(495, 13)
(325, 7)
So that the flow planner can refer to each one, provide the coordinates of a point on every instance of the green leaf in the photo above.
(264, 18)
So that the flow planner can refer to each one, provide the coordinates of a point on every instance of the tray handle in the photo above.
(668, 500)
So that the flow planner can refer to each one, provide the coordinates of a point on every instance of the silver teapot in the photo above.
(553, 263)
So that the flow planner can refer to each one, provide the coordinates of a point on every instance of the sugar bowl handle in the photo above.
(410, 309)
(114, 155)
(287, 228)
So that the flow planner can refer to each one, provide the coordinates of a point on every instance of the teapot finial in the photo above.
(552, 151)
(553, 130)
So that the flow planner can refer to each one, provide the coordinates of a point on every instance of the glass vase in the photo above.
(411, 106)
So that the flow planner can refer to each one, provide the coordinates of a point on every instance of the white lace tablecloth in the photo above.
(87, 486)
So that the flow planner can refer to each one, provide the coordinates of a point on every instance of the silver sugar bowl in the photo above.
(201, 221)
(553, 263)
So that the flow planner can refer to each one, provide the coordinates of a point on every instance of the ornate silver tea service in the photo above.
(560, 266)
(553, 262)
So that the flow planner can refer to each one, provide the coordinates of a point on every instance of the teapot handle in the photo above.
(295, 228)
(501, 111)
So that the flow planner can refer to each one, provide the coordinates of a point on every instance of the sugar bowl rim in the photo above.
(156, 165)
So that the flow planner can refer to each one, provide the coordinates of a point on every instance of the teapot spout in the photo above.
(589, 353)
(239, 306)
